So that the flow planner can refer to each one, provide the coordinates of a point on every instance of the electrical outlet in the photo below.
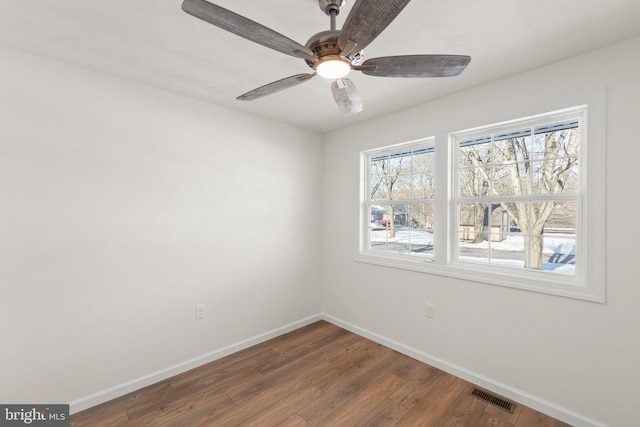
(430, 310)
(199, 311)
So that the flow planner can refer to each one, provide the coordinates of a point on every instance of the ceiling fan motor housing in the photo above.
(324, 46)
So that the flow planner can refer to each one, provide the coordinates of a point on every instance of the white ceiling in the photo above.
(153, 42)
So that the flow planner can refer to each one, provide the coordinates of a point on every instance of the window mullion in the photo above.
(444, 192)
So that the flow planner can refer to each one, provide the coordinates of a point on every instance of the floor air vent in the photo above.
(494, 400)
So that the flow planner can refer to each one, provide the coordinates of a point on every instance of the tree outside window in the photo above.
(520, 187)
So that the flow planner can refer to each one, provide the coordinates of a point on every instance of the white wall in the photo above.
(579, 355)
(121, 208)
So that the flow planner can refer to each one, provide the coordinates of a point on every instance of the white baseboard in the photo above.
(122, 389)
(526, 399)
(509, 392)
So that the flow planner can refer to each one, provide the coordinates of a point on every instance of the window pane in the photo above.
(549, 236)
(423, 186)
(386, 223)
(410, 233)
(559, 254)
(473, 182)
(379, 190)
(511, 179)
(424, 161)
(399, 163)
(477, 154)
(563, 219)
(401, 187)
(512, 150)
(473, 244)
(419, 227)
(473, 252)
(378, 234)
(539, 148)
(553, 176)
(564, 143)
(379, 178)
(518, 215)
(557, 171)
(472, 220)
(507, 249)
(379, 164)
(540, 213)
(378, 215)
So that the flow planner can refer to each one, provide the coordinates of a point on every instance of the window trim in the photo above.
(367, 203)
(588, 284)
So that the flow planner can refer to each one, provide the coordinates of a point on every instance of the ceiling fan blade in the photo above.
(245, 27)
(415, 66)
(276, 86)
(346, 96)
(367, 19)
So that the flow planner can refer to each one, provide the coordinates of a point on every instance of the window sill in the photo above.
(540, 282)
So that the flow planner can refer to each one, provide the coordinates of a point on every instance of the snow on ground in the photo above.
(559, 248)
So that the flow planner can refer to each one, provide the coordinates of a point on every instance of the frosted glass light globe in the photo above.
(333, 68)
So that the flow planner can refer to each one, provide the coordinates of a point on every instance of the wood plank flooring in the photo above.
(318, 375)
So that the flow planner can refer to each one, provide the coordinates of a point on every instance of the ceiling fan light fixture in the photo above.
(333, 53)
(333, 68)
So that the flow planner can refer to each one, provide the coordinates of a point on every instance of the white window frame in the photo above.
(410, 146)
(589, 281)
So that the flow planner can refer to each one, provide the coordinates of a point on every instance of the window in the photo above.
(517, 203)
(400, 203)
(518, 195)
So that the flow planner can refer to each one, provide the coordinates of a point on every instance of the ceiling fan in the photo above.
(333, 53)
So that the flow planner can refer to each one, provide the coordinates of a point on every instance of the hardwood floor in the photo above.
(318, 375)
